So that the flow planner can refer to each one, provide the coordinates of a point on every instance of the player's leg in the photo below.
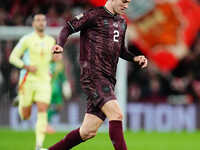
(90, 126)
(105, 99)
(88, 129)
(42, 100)
(113, 112)
(41, 124)
(25, 95)
(25, 112)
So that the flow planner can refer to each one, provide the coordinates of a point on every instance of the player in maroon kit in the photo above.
(102, 39)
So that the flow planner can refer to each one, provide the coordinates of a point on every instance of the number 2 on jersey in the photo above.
(116, 36)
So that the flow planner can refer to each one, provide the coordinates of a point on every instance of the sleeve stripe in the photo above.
(71, 26)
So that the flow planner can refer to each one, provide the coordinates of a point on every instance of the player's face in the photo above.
(39, 22)
(120, 6)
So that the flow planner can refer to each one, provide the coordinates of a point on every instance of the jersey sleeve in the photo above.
(83, 21)
(78, 23)
(18, 51)
(125, 53)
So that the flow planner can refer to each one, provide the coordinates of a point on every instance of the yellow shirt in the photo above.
(35, 51)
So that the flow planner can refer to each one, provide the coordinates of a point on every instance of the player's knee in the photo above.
(25, 112)
(26, 115)
(42, 107)
(117, 116)
(88, 134)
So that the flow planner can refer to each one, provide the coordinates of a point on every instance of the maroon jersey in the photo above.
(102, 37)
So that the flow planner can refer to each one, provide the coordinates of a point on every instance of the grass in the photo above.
(24, 140)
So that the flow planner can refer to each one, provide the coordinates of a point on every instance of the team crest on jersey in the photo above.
(106, 22)
(115, 24)
(79, 16)
(106, 89)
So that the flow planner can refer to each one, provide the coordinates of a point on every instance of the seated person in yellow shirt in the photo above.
(32, 55)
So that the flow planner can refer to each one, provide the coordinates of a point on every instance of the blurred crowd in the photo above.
(20, 12)
(179, 86)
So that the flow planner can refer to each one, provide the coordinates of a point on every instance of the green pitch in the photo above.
(13, 140)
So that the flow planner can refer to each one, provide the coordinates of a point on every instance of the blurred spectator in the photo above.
(134, 92)
(57, 81)
(194, 90)
(155, 91)
(20, 12)
(3, 16)
(18, 20)
(5, 67)
(1, 75)
(52, 18)
(14, 76)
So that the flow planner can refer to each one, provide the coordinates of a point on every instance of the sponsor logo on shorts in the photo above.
(106, 89)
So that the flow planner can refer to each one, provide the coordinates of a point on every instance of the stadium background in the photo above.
(164, 97)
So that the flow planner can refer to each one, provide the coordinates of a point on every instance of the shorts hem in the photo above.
(96, 114)
(106, 100)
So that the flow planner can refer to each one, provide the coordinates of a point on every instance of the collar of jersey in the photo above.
(108, 11)
(38, 35)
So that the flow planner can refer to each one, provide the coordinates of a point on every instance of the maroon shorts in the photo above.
(98, 94)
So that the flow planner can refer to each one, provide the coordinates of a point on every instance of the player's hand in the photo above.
(32, 69)
(141, 60)
(57, 49)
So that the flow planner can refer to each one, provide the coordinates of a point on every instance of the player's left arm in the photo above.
(129, 56)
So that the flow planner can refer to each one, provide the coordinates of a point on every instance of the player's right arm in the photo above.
(17, 53)
(80, 22)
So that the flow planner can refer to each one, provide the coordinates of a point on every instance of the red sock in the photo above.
(116, 135)
(71, 140)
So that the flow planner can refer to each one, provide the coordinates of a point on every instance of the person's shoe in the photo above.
(39, 148)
